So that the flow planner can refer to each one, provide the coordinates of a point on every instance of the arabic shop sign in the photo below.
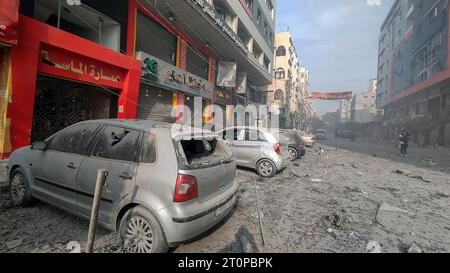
(211, 12)
(222, 96)
(68, 64)
(170, 76)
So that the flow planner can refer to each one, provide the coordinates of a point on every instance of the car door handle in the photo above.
(72, 166)
(125, 176)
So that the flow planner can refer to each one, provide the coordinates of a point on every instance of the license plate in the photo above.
(224, 207)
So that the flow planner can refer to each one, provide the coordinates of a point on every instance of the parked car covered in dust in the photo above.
(320, 134)
(297, 147)
(164, 185)
(257, 149)
(307, 138)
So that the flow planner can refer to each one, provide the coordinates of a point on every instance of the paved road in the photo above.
(328, 202)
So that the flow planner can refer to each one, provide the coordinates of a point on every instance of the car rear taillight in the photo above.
(186, 188)
(302, 145)
(277, 148)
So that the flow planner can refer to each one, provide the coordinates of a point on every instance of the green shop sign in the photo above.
(158, 72)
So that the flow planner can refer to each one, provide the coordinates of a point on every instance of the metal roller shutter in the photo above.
(155, 40)
(155, 104)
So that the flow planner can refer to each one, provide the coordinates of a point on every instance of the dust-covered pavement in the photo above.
(334, 200)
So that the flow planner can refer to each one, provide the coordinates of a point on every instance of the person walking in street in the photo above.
(404, 142)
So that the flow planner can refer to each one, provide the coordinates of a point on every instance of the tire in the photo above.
(20, 191)
(149, 236)
(293, 154)
(266, 168)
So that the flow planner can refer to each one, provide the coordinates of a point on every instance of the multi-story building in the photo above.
(305, 108)
(290, 83)
(345, 111)
(364, 108)
(414, 72)
(127, 59)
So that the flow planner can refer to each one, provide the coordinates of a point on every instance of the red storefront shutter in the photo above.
(9, 21)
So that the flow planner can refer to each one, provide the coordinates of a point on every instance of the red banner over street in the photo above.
(9, 21)
(331, 96)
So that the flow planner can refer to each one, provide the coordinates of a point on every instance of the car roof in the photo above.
(246, 127)
(148, 125)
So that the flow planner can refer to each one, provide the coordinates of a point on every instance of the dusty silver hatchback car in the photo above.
(164, 185)
(256, 148)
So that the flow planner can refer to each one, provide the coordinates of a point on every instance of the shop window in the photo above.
(197, 63)
(118, 144)
(80, 20)
(55, 110)
(154, 39)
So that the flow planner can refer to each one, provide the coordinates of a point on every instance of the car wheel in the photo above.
(20, 188)
(142, 233)
(293, 154)
(266, 168)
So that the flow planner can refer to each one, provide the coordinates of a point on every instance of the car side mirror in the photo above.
(39, 146)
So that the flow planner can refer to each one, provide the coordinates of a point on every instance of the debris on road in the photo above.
(13, 244)
(338, 220)
(246, 245)
(316, 180)
(341, 214)
(414, 249)
(400, 172)
(373, 247)
(389, 208)
(443, 195)
(332, 232)
(296, 173)
(357, 190)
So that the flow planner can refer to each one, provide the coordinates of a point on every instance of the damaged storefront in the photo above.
(59, 79)
(174, 73)
(165, 86)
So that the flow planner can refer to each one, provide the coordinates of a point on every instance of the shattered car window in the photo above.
(117, 143)
(202, 153)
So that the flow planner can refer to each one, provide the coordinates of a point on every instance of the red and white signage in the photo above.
(331, 96)
(59, 62)
(9, 21)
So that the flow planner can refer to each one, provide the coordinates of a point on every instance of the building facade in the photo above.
(414, 72)
(364, 108)
(289, 88)
(345, 111)
(130, 59)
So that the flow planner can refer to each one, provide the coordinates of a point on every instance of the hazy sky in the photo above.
(337, 40)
